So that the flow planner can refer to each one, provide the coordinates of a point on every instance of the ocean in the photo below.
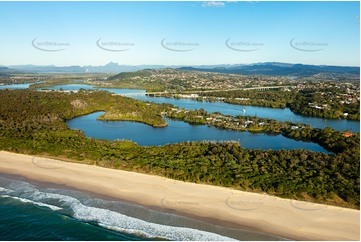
(34, 211)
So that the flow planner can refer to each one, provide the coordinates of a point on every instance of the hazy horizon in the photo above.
(220, 64)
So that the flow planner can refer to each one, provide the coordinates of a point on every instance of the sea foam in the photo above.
(24, 200)
(27, 193)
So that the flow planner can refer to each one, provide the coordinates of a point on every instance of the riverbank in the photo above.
(283, 217)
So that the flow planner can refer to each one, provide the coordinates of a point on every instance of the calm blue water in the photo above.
(229, 109)
(39, 212)
(224, 108)
(76, 87)
(262, 112)
(178, 131)
(16, 86)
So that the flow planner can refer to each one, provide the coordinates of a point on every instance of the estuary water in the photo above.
(179, 131)
(226, 108)
(16, 86)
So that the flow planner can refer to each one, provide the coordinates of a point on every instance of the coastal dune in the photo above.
(227, 207)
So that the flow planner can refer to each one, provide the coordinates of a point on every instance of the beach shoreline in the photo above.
(207, 224)
(217, 205)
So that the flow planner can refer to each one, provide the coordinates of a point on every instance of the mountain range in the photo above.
(265, 68)
(279, 69)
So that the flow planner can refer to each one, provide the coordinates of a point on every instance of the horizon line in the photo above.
(180, 65)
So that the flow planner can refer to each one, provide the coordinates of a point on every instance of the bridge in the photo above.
(154, 94)
(244, 89)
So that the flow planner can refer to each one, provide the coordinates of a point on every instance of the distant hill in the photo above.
(5, 71)
(266, 68)
(108, 68)
(125, 75)
(112, 67)
(49, 69)
(279, 69)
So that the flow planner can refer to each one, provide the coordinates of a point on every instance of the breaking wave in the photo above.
(78, 207)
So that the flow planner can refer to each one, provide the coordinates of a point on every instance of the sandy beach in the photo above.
(283, 217)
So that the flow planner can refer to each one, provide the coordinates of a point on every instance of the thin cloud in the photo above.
(212, 4)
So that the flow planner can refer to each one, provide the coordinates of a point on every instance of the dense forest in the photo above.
(33, 122)
(334, 109)
(138, 80)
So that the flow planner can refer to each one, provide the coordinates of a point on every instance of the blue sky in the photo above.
(193, 33)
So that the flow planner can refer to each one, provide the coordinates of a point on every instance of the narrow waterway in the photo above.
(179, 131)
(228, 109)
